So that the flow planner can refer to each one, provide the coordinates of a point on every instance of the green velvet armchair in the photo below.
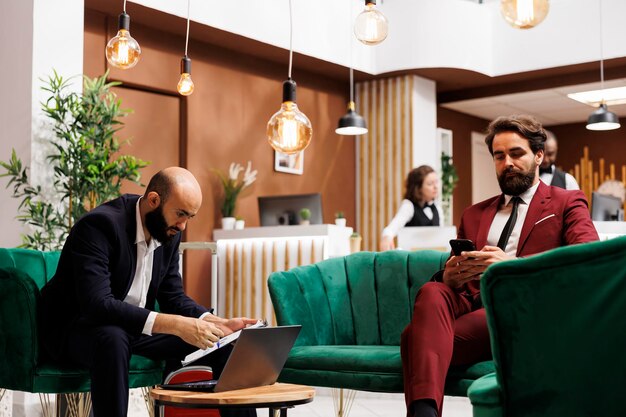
(23, 365)
(353, 310)
(556, 334)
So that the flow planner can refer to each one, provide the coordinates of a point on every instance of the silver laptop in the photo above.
(257, 359)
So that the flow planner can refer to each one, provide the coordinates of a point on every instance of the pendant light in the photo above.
(371, 25)
(123, 51)
(352, 123)
(185, 84)
(524, 14)
(602, 118)
(289, 131)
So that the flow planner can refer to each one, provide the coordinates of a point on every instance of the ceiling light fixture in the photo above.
(371, 26)
(524, 14)
(602, 118)
(289, 131)
(610, 96)
(123, 51)
(352, 123)
(185, 84)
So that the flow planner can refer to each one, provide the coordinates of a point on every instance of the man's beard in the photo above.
(157, 226)
(514, 182)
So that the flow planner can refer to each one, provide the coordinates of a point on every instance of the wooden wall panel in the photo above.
(150, 133)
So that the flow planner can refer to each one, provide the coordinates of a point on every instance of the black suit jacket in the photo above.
(95, 273)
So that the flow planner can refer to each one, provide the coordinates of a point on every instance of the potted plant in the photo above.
(232, 186)
(86, 167)
(305, 216)
(239, 223)
(355, 242)
(449, 179)
(340, 219)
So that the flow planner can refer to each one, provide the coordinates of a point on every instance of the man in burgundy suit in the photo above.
(448, 325)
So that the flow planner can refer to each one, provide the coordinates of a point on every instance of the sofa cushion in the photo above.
(369, 367)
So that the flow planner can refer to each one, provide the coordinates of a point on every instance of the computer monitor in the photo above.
(283, 209)
(606, 207)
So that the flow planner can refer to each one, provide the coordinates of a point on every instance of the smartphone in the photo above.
(461, 245)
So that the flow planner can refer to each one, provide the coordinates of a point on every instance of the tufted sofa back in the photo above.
(361, 299)
(40, 266)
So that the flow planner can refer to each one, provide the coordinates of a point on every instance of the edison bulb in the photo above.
(289, 130)
(524, 14)
(123, 51)
(185, 84)
(371, 26)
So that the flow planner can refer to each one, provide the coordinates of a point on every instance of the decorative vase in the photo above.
(355, 244)
(239, 224)
(228, 223)
(340, 221)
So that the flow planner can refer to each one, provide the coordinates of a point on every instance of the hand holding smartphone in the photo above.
(461, 245)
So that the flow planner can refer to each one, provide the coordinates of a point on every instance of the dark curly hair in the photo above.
(414, 182)
(526, 126)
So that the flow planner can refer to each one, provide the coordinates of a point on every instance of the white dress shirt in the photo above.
(570, 182)
(403, 216)
(502, 216)
(143, 272)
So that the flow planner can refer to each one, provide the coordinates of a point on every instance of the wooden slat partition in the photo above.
(590, 180)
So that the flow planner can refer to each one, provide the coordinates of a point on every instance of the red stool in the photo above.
(189, 374)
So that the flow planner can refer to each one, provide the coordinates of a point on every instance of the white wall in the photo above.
(38, 35)
(16, 34)
(424, 117)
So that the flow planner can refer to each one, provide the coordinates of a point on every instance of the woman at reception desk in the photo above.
(417, 208)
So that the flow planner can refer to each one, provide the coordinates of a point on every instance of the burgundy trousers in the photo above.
(444, 331)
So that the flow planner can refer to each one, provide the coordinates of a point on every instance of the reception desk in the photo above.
(246, 257)
(610, 230)
(426, 237)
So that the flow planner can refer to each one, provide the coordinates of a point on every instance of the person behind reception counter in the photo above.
(417, 208)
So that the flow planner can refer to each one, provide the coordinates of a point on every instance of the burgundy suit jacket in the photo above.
(555, 218)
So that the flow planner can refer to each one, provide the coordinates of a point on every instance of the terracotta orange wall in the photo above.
(462, 127)
(224, 121)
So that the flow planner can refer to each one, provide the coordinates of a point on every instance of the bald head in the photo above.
(551, 149)
(174, 180)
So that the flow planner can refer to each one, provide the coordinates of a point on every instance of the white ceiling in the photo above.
(550, 107)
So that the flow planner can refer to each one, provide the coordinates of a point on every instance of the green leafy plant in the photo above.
(233, 185)
(340, 215)
(355, 235)
(87, 170)
(449, 178)
(305, 214)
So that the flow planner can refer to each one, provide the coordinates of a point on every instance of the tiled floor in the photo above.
(374, 405)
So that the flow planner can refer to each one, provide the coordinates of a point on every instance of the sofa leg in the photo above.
(78, 404)
(342, 401)
(46, 406)
(145, 391)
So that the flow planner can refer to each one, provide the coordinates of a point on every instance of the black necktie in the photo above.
(510, 224)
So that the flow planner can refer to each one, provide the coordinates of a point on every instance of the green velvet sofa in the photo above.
(557, 338)
(23, 365)
(353, 310)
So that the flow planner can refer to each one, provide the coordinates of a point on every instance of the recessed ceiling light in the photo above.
(610, 96)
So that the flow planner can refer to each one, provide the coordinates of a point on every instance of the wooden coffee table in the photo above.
(277, 397)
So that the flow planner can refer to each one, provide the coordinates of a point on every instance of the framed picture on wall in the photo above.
(291, 164)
